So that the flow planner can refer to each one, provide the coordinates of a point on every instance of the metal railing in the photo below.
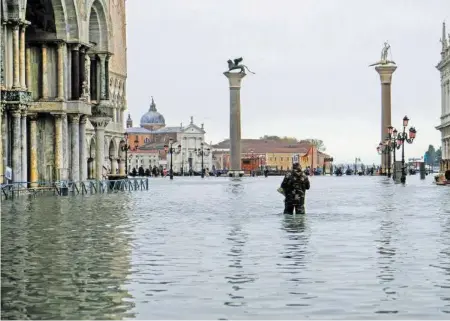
(66, 187)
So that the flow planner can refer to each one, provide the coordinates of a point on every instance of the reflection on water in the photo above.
(212, 248)
(238, 277)
(61, 261)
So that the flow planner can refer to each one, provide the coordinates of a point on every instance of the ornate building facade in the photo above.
(444, 127)
(148, 140)
(63, 76)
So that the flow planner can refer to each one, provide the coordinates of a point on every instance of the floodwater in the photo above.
(216, 249)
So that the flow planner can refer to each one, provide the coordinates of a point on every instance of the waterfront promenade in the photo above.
(213, 248)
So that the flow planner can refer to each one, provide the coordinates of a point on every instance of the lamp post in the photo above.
(203, 152)
(169, 148)
(125, 149)
(393, 145)
(401, 139)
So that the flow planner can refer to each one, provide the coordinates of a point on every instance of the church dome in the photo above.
(152, 117)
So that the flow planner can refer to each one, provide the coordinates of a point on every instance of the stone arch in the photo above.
(98, 26)
(52, 17)
(112, 151)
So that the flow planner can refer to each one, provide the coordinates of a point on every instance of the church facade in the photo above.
(63, 89)
(444, 127)
(149, 141)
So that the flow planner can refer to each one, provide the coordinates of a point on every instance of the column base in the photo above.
(235, 173)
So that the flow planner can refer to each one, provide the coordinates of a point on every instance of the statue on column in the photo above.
(236, 64)
(384, 56)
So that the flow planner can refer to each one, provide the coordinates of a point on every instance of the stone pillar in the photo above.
(87, 76)
(16, 146)
(16, 57)
(114, 166)
(103, 84)
(99, 124)
(107, 76)
(24, 137)
(28, 67)
(83, 158)
(58, 146)
(76, 72)
(34, 175)
(75, 147)
(82, 70)
(22, 57)
(60, 70)
(1, 141)
(235, 121)
(122, 167)
(385, 72)
(93, 78)
(44, 72)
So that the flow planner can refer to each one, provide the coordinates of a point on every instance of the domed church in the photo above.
(148, 140)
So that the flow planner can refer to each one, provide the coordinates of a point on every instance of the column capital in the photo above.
(57, 115)
(16, 113)
(33, 116)
(76, 46)
(24, 113)
(102, 56)
(60, 44)
(83, 119)
(385, 72)
(235, 78)
(74, 118)
(16, 27)
(24, 26)
(100, 122)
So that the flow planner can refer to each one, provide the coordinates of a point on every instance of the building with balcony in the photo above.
(63, 78)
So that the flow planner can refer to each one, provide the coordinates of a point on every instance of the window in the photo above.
(281, 159)
(146, 140)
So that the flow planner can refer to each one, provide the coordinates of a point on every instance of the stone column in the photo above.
(122, 166)
(114, 166)
(235, 121)
(83, 158)
(58, 146)
(107, 76)
(102, 76)
(22, 56)
(16, 146)
(44, 72)
(1, 141)
(385, 72)
(99, 124)
(16, 57)
(34, 176)
(60, 70)
(75, 147)
(76, 72)
(82, 70)
(93, 77)
(28, 67)
(24, 137)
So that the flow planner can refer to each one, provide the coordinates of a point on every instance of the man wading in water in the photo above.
(294, 187)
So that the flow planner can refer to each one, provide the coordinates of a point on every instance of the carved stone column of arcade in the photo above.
(114, 165)
(122, 164)
(82, 69)
(34, 175)
(235, 121)
(58, 145)
(1, 141)
(44, 72)
(16, 145)
(60, 70)
(28, 67)
(75, 147)
(76, 72)
(22, 57)
(16, 56)
(83, 158)
(99, 124)
(103, 75)
(24, 146)
(385, 72)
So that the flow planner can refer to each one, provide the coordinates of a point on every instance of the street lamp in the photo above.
(203, 152)
(125, 149)
(393, 145)
(169, 148)
(401, 139)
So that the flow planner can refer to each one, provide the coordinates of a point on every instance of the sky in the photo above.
(311, 59)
